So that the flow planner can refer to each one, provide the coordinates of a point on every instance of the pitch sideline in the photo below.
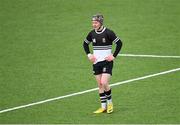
(149, 56)
(89, 90)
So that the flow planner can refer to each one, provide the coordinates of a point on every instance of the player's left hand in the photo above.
(110, 58)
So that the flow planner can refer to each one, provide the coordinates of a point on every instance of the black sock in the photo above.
(103, 99)
(108, 96)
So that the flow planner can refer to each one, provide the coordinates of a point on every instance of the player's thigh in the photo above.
(98, 78)
(105, 78)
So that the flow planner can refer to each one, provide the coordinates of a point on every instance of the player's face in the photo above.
(96, 25)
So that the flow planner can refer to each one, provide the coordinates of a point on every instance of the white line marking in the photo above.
(86, 91)
(152, 56)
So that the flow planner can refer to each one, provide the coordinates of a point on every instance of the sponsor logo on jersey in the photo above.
(103, 40)
(94, 40)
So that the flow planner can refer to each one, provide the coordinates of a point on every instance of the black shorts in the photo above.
(103, 67)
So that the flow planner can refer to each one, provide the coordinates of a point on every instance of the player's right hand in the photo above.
(91, 58)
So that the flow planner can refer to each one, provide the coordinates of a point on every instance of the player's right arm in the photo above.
(86, 43)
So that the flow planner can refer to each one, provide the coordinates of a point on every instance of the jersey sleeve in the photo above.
(88, 38)
(112, 36)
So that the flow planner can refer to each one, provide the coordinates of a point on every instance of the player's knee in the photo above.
(104, 82)
(100, 85)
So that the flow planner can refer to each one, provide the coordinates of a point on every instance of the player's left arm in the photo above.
(112, 36)
(118, 48)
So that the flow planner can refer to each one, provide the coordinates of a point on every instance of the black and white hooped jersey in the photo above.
(102, 43)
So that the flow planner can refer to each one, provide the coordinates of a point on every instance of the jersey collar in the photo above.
(101, 30)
